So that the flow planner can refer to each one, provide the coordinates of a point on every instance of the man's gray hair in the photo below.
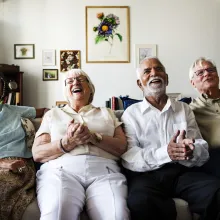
(199, 62)
(138, 70)
(80, 72)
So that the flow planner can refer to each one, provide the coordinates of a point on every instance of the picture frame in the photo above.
(144, 50)
(49, 57)
(61, 104)
(107, 34)
(174, 96)
(69, 59)
(24, 51)
(50, 74)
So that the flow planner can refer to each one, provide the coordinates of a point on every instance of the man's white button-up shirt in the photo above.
(150, 130)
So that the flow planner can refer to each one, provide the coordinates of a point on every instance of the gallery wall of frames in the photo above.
(107, 40)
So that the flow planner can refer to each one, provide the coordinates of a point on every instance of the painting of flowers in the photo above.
(107, 34)
(69, 59)
(107, 29)
(24, 51)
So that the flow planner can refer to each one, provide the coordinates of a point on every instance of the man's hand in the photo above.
(189, 144)
(183, 150)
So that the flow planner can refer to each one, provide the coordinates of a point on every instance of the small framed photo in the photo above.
(61, 104)
(174, 96)
(69, 59)
(50, 74)
(24, 51)
(49, 57)
(144, 50)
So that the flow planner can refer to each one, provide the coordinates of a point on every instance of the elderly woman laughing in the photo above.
(80, 145)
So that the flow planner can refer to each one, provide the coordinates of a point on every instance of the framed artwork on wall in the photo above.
(69, 59)
(50, 74)
(49, 57)
(24, 51)
(61, 104)
(144, 50)
(107, 34)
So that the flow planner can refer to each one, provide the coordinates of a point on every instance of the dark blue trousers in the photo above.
(150, 193)
(212, 166)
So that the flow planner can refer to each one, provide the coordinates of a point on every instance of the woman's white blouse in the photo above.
(100, 120)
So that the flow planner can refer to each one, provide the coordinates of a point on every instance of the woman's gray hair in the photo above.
(138, 70)
(80, 72)
(199, 62)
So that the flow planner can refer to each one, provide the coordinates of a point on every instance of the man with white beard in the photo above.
(164, 148)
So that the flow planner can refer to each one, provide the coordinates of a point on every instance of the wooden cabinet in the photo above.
(14, 83)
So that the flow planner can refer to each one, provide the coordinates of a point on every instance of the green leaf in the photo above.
(99, 39)
(119, 36)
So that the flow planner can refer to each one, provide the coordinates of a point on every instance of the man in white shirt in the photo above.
(164, 148)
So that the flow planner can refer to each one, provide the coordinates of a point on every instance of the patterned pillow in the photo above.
(29, 132)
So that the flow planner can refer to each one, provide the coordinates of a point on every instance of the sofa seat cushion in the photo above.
(182, 208)
(32, 212)
(183, 213)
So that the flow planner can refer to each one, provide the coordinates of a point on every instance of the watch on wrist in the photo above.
(98, 137)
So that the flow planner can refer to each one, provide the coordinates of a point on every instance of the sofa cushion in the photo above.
(128, 101)
(118, 114)
(32, 212)
(182, 209)
(187, 100)
(29, 132)
(183, 213)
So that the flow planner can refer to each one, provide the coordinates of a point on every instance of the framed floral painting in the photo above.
(69, 59)
(107, 34)
(24, 51)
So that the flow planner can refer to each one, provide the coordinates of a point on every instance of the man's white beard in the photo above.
(149, 91)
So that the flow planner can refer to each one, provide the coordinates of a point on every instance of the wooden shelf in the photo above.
(12, 73)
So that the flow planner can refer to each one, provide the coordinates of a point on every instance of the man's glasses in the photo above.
(70, 81)
(202, 71)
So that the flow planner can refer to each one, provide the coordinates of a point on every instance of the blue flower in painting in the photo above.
(107, 29)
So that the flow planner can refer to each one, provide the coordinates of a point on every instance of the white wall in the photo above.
(182, 29)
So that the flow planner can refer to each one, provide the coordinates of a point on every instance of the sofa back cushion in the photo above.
(128, 101)
(29, 132)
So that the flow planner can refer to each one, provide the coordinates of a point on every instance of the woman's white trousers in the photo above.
(67, 184)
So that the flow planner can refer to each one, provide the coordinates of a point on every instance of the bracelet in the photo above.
(62, 148)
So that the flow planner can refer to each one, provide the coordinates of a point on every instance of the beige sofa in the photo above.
(33, 213)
